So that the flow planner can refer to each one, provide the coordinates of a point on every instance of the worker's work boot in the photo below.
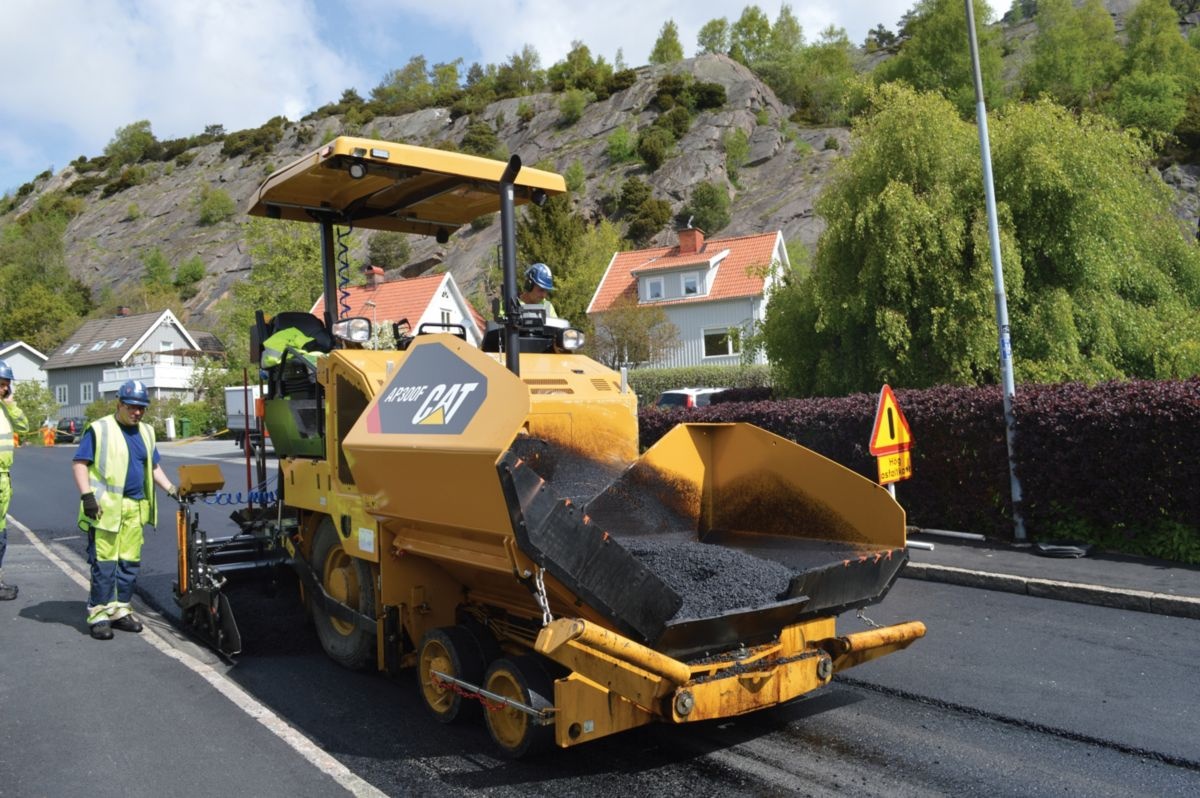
(7, 592)
(127, 623)
(102, 630)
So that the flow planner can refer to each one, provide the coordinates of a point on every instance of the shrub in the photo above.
(215, 205)
(677, 121)
(184, 159)
(654, 147)
(525, 112)
(634, 192)
(480, 139)
(831, 143)
(575, 177)
(621, 147)
(621, 80)
(571, 106)
(737, 150)
(649, 218)
(133, 212)
(130, 176)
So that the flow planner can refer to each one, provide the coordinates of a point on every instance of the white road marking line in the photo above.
(240, 698)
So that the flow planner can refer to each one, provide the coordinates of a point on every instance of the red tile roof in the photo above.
(394, 300)
(741, 273)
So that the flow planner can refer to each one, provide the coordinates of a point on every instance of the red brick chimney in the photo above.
(374, 276)
(691, 240)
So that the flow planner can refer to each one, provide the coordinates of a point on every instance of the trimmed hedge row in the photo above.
(649, 383)
(1117, 464)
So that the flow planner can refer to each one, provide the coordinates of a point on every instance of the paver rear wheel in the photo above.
(522, 679)
(453, 651)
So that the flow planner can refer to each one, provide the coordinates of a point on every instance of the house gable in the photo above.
(431, 299)
(114, 340)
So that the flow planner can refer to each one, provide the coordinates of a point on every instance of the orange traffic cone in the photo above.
(47, 436)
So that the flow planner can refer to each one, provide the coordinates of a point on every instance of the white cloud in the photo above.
(76, 71)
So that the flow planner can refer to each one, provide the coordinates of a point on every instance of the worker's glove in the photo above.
(173, 492)
(91, 507)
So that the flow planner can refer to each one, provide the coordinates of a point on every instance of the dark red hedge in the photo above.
(1119, 455)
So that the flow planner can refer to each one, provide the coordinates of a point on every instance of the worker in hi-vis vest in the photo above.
(116, 468)
(12, 419)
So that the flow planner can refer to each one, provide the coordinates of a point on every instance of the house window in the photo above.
(721, 342)
(60, 394)
(166, 346)
(445, 317)
(117, 343)
(85, 393)
(654, 288)
(72, 349)
(96, 347)
(690, 284)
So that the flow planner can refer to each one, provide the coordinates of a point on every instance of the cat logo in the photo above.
(433, 393)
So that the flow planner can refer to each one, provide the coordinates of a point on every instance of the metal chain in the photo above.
(867, 620)
(539, 582)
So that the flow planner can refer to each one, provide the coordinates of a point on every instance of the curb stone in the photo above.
(1137, 600)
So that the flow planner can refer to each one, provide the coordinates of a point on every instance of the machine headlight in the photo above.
(356, 329)
(571, 339)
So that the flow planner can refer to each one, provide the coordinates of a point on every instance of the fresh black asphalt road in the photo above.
(1006, 695)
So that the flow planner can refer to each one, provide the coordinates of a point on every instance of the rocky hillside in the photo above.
(776, 187)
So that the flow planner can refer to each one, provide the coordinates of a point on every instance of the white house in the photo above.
(152, 347)
(713, 291)
(25, 361)
(434, 299)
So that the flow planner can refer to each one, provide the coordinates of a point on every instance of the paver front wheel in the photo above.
(524, 680)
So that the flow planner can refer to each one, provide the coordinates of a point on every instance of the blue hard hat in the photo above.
(5, 371)
(133, 392)
(539, 275)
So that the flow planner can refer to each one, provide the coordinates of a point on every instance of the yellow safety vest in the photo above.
(106, 474)
(11, 420)
(277, 344)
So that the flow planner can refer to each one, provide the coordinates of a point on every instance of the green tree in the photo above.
(1156, 44)
(667, 49)
(1075, 53)
(285, 274)
(630, 334)
(708, 207)
(157, 268)
(129, 145)
(936, 56)
(388, 250)
(1101, 282)
(1154, 103)
(713, 37)
(38, 404)
(750, 37)
(403, 90)
(522, 74)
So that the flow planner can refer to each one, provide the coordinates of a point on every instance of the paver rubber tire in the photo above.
(453, 651)
(348, 580)
(524, 680)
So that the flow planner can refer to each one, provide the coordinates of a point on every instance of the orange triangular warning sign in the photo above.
(891, 433)
(436, 417)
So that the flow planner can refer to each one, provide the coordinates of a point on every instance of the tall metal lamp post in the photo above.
(1006, 369)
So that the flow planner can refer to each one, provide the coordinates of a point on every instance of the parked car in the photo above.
(68, 429)
(687, 397)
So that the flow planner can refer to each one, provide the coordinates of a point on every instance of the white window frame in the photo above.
(117, 343)
(446, 316)
(86, 393)
(730, 340)
(72, 349)
(96, 347)
(166, 346)
(683, 284)
(61, 394)
(651, 284)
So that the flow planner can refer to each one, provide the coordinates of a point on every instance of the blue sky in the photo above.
(77, 70)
